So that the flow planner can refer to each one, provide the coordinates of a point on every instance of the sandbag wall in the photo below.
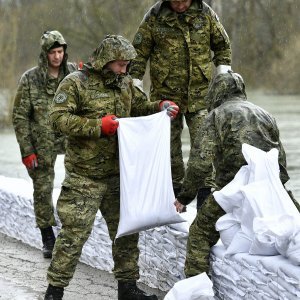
(249, 277)
(162, 250)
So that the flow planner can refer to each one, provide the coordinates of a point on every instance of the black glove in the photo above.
(203, 193)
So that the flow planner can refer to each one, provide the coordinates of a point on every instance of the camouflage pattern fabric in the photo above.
(33, 131)
(77, 211)
(231, 122)
(202, 236)
(91, 161)
(178, 47)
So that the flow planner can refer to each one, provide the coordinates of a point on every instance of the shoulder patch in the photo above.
(60, 97)
(138, 38)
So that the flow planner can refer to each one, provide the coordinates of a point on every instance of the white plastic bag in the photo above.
(147, 197)
(193, 288)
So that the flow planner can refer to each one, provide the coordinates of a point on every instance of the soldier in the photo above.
(39, 145)
(86, 107)
(177, 37)
(231, 121)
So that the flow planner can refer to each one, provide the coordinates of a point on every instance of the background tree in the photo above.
(264, 35)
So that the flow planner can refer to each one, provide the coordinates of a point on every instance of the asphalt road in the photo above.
(23, 276)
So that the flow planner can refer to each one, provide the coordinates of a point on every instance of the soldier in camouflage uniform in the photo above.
(177, 37)
(86, 107)
(39, 145)
(232, 121)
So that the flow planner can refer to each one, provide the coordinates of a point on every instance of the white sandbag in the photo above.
(147, 197)
(293, 249)
(230, 196)
(240, 243)
(264, 166)
(271, 234)
(255, 192)
(194, 288)
(228, 225)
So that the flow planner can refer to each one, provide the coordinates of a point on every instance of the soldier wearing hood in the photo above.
(86, 108)
(178, 38)
(232, 121)
(39, 145)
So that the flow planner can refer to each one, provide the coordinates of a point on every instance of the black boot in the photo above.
(127, 290)
(54, 293)
(48, 239)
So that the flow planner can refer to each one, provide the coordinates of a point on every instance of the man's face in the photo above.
(180, 6)
(55, 56)
(118, 66)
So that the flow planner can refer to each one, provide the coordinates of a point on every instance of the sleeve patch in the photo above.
(138, 38)
(60, 98)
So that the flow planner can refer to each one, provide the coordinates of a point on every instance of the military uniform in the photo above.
(33, 130)
(231, 122)
(179, 49)
(91, 161)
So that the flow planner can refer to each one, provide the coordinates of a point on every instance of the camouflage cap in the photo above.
(113, 47)
(50, 38)
(224, 86)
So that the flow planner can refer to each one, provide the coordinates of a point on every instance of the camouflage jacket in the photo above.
(179, 49)
(232, 121)
(31, 109)
(81, 100)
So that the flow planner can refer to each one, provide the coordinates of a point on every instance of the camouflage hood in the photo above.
(47, 41)
(113, 47)
(225, 87)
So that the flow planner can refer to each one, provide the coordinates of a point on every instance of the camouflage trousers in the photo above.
(77, 206)
(194, 122)
(202, 236)
(42, 179)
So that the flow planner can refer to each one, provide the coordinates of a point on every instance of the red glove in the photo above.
(30, 161)
(171, 107)
(109, 125)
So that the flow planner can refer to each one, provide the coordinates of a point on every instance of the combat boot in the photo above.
(54, 293)
(48, 239)
(128, 290)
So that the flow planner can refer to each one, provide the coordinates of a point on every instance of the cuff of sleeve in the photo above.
(221, 69)
(184, 201)
(96, 124)
(27, 151)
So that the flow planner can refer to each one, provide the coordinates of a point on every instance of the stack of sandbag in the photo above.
(260, 216)
(162, 249)
(16, 214)
(259, 256)
(17, 220)
(162, 255)
(245, 276)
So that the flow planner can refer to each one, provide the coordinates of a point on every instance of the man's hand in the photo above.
(30, 161)
(110, 125)
(179, 207)
(171, 107)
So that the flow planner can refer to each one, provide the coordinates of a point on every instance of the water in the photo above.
(286, 110)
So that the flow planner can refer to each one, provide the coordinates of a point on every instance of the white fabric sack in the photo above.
(147, 197)
(255, 192)
(228, 225)
(198, 287)
(230, 196)
(293, 249)
(266, 199)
